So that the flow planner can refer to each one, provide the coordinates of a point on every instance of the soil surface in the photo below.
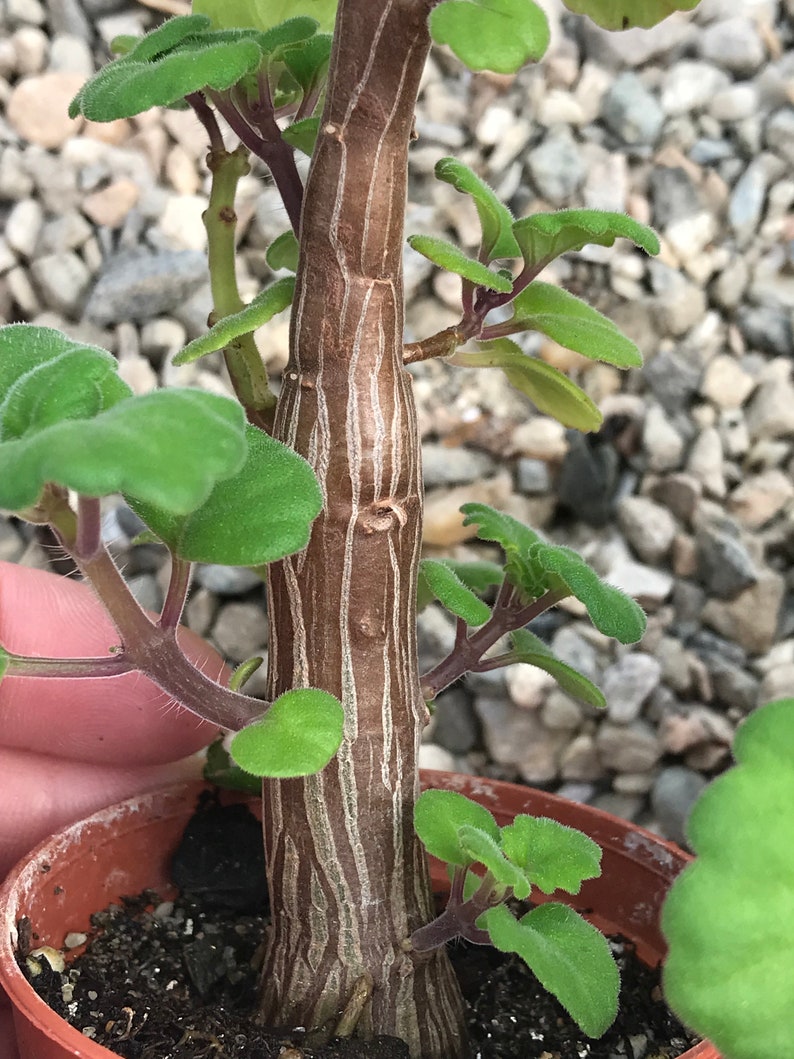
(178, 979)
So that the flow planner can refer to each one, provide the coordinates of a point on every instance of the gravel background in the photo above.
(685, 498)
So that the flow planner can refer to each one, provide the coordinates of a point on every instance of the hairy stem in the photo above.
(467, 654)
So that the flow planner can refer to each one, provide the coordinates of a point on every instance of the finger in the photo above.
(41, 794)
(123, 719)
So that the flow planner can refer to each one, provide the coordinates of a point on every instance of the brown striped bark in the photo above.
(347, 875)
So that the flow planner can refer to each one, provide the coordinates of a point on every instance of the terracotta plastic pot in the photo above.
(127, 848)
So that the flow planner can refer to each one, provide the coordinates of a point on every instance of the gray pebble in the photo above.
(724, 565)
(674, 377)
(240, 631)
(733, 44)
(631, 111)
(556, 166)
(445, 465)
(690, 85)
(532, 476)
(628, 684)
(138, 285)
(63, 279)
(630, 747)
(227, 580)
(779, 133)
(747, 200)
(674, 793)
(147, 591)
(768, 328)
(648, 527)
(71, 53)
(67, 16)
(455, 726)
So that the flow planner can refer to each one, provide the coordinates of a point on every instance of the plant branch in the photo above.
(442, 344)
(178, 584)
(246, 370)
(467, 654)
(275, 152)
(28, 666)
(203, 112)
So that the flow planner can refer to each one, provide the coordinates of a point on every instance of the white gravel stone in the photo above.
(23, 226)
(63, 280)
(648, 527)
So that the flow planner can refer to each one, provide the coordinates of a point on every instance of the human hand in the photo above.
(71, 746)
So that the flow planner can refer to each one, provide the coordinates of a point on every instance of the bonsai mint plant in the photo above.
(322, 487)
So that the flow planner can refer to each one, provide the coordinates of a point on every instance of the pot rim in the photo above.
(627, 839)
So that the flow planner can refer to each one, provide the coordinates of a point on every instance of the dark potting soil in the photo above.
(178, 979)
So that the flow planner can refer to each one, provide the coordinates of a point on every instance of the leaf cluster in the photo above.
(570, 957)
(536, 306)
(534, 567)
(224, 493)
(188, 55)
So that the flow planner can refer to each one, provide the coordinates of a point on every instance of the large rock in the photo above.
(138, 285)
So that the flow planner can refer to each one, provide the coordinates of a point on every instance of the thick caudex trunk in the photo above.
(347, 875)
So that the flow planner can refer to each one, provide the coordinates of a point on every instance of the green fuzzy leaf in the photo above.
(517, 541)
(729, 917)
(572, 323)
(477, 574)
(262, 14)
(288, 32)
(625, 14)
(298, 735)
(272, 300)
(496, 220)
(302, 135)
(547, 388)
(530, 649)
(167, 448)
(129, 86)
(483, 849)
(283, 252)
(498, 35)
(544, 236)
(167, 36)
(438, 818)
(46, 377)
(569, 956)
(611, 611)
(554, 857)
(449, 257)
(222, 771)
(259, 514)
(451, 591)
(123, 44)
(308, 62)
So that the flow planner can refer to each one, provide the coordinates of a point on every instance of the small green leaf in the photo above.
(569, 956)
(259, 514)
(302, 134)
(46, 377)
(498, 35)
(298, 735)
(517, 541)
(530, 649)
(483, 849)
(496, 220)
(283, 252)
(222, 771)
(308, 62)
(729, 917)
(172, 32)
(167, 448)
(548, 389)
(477, 574)
(611, 611)
(544, 236)
(554, 857)
(129, 86)
(456, 597)
(438, 818)
(123, 44)
(449, 257)
(262, 14)
(288, 32)
(572, 323)
(624, 14)
(272, 300)
(4, 659)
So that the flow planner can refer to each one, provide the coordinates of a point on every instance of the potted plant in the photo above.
(323, 487)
